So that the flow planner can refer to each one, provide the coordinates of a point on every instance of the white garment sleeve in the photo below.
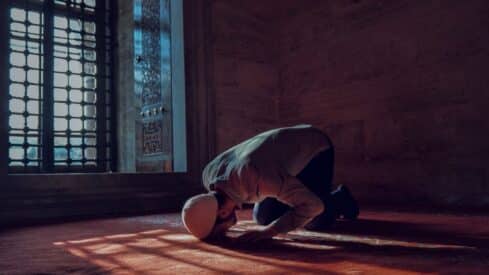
(304, 204)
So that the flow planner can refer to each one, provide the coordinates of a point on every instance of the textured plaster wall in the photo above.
(245, 75)
(403, 89)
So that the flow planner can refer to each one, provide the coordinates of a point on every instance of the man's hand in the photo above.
(256, 235)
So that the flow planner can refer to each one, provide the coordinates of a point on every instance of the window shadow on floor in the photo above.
(393, 244)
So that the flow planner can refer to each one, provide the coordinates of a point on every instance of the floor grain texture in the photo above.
(377, 243)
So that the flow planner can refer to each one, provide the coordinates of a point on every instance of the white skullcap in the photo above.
(199, 214)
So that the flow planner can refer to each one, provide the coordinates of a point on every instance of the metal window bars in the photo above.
(60, 86)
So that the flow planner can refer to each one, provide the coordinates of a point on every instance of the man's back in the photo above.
(288, 149)
(274, 153)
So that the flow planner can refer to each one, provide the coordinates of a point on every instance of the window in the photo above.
(60, 86)
(155, 139)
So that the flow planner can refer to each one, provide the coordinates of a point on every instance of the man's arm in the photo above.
(304, 204)
(304, 207)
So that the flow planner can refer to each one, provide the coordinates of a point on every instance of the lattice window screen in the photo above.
(60, 86)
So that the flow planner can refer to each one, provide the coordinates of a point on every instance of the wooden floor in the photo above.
(378, 243)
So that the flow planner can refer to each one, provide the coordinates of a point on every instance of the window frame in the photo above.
(200, 98)
(105, 11)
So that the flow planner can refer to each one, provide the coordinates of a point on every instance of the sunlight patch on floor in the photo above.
(167, 251)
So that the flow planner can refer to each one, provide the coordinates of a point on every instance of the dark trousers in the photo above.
(317, 176)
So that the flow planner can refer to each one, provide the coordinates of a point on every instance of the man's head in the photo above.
(209, 214)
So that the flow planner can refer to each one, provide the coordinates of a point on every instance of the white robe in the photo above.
(265, 166)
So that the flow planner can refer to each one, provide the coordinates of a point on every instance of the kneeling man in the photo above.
(287, 172)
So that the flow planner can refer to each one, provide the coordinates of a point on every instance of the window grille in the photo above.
(60, 86)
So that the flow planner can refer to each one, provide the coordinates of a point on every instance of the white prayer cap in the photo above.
(199, 214)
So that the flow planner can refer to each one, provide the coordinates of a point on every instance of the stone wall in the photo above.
(245, 75)
(402, 88)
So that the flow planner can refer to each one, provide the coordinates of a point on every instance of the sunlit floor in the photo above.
(378, 243)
